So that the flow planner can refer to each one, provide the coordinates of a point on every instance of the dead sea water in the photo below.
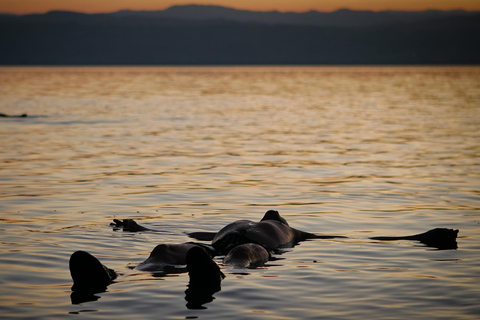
(354, 151)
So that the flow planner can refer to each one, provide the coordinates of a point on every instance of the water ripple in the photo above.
(355, 151)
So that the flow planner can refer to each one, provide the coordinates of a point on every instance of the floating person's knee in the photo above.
(89, 274)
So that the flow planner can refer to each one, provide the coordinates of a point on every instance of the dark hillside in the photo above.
(129, 38)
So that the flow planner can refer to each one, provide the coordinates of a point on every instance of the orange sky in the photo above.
(38, 6)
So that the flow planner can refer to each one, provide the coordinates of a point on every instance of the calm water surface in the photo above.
(355, 151)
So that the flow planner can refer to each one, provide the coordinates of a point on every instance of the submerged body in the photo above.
(271, 234)
(165, 255)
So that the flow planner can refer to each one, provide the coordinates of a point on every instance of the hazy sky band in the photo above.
(92, 6)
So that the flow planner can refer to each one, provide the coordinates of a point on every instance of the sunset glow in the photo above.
(93, 6)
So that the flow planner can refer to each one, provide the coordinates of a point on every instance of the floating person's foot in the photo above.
(88, 274)
(205, 277)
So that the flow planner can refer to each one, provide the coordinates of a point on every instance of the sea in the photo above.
(356, 151)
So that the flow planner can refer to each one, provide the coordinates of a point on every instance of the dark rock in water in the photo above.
(3, 115)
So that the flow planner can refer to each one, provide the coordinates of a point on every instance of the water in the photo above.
(355, 151)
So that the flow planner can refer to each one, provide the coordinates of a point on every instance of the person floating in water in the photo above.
(244, 243)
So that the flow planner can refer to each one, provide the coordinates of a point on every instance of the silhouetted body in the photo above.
(272, 232)
(244, 243)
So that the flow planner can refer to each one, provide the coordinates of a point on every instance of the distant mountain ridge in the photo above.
(205, 13)
(195, 34)
(339, 18)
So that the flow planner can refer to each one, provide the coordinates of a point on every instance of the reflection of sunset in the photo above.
(28, 6)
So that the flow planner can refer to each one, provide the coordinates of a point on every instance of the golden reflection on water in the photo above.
(358, 151)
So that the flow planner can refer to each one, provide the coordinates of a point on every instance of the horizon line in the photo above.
(238, 9)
